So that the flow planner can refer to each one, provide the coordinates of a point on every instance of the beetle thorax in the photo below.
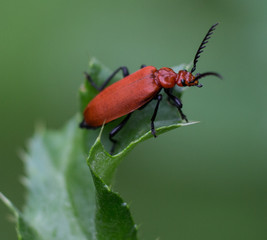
(166, 77)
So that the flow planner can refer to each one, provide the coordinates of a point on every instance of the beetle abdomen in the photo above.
(122, 97)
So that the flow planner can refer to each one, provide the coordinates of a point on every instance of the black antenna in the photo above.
(207, 74)
(202, 46)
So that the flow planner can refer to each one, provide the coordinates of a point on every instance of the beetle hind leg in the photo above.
(125, 73)
(83, 124)
(115, 130)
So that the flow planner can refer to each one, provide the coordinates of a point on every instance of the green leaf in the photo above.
(67, 199)
(60, 202)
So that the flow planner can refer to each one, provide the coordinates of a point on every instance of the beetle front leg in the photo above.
(177, 102)
(159, 98)
(125, 73)
(115, 130)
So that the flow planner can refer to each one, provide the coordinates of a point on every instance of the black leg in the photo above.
(125, 73)
(116, 130)
(90, 80)
(169, 99)
(83, 124)
(177, 102)
(159, 98)
(143, 65)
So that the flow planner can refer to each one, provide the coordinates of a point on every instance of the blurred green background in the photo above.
(206, 181)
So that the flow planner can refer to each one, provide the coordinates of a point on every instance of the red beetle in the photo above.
(135, 90)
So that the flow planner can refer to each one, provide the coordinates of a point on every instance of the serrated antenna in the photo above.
(203, 45)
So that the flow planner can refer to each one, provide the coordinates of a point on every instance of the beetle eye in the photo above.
(183, 82)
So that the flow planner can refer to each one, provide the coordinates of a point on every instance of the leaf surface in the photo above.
(67, 199)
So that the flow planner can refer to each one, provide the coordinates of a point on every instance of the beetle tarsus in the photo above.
(153, 131)
(178, 104)
(113, 146)
(83, 124)
(184, 117)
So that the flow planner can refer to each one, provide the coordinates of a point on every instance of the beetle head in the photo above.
(186, 78)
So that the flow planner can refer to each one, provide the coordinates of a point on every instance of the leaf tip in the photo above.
(4, 199)
(8, 203)
(190, 123)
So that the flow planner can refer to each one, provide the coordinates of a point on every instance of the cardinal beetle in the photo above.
(137, 89)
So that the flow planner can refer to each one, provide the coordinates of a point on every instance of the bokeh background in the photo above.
(206, 181)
